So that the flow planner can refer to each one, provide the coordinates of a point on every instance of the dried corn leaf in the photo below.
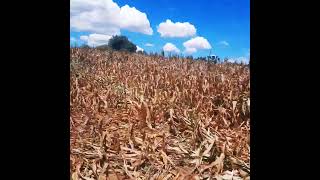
(150, 118)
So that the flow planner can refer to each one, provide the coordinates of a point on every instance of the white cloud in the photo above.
(224, 43)
(196, 43)
(169, 47)
(139, 49)
(149, 44)
(239, 60)
(190, 50)
(106, 17)
(178, 29)
(134, 20)
(84, 38)
(96, 39)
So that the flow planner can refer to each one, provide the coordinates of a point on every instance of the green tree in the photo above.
(189, 57)
(121, 43)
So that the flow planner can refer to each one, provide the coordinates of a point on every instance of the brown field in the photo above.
(144, 117)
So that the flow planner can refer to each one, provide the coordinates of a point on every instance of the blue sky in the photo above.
(224, 24)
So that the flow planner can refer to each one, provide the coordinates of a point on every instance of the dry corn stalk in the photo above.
(143, 117)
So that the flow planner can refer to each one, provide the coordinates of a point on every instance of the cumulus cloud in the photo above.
(134, 20)
(106, 17)
(178, 29)
(196, 43)
(224, 43)
(149, 44)
(139, 49)
(96, 39)
(169, 47)
(190, 50)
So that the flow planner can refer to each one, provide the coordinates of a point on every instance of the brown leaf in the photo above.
(112, 176)
(158, 111)
(102, 177)
(166, 158)
(74, 176)
(243, 173)
(234, 103)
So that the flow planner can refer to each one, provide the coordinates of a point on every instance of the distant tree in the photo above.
(190, 57)
(162, 53)
(202, 58)
(121, 43)
(215, 61)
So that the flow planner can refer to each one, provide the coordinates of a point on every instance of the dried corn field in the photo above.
(145, 117)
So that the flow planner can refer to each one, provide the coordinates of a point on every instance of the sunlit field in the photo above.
(136, 116)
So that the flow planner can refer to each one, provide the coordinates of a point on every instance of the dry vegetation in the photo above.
(143, 117)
